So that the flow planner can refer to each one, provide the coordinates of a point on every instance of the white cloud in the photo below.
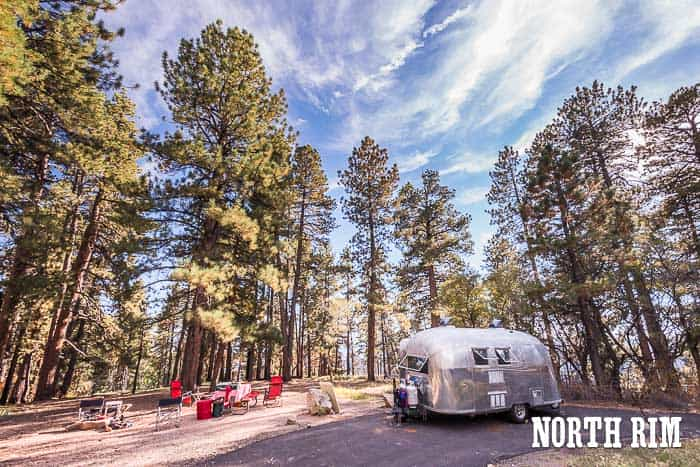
(476, 260)
(469, 163)
(669, 24)
(492, 68)
(471, 195)
(459, 14)
(416, 161)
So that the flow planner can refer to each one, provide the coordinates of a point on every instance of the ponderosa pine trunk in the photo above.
(287, 374)
(250, 363)
(218, 363)
(302, 330)
(229, 362)
(70, 369)
(371, 310)
(268, 343)
(47, 373)
(21, 262)
(259, 362)
(7, 387)
(135, 383)
(433, 290)
(348, 343)
(587, 311)
(21, 389)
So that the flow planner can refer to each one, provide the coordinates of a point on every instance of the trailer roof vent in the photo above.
(496, 323)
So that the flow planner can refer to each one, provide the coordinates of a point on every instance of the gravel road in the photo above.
(372, 440)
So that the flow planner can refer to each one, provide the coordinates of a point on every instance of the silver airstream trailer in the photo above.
(475, 371)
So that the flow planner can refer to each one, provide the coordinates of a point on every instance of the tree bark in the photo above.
(295, 288)
(259, 362)
(70, 369)
(138, 361)
(250, 363)
(268, 343)
(21, 261)
(54, 344)
(371, 311)
(229, 362)
(7, 387)
(218, 363)
(19, 394)
(432, 286)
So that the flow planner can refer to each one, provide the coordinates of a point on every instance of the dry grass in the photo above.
(687, 455)
(358, 388)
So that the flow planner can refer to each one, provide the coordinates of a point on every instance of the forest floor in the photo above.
(36, 434)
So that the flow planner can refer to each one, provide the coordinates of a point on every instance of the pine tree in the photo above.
(227, 158)
(15, 57)
(52, 138)
(114, 189)
(432, 236)
(672, 152)
(346, 270)
(596, 123)
(557, 191)
(313, 218)
(369, 185)
(511, 212)
(672, 167)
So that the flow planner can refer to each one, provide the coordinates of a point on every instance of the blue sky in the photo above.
(441, 84)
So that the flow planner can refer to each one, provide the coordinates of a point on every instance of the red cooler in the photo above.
(204, 409)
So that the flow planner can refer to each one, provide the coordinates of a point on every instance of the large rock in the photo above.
(328, 389)
(318, 402)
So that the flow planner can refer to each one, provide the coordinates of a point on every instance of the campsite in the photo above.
(319, 232)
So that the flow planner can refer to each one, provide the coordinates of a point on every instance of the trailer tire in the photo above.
(518, 413)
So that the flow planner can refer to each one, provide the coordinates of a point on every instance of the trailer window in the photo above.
(503, 356)
(416, 363)
(480, 357)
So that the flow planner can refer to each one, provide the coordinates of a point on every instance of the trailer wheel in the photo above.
(518, 413)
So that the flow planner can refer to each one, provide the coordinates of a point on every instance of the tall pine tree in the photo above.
(369, 184)
(432, 236)
(228, 156)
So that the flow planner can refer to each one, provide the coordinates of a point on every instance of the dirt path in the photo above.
(38, 436)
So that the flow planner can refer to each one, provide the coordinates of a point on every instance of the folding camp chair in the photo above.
(175, 389)
(113, 409)
(273, 393)
(91, 409)
(169, 410)
(114, 413)
(252, 398)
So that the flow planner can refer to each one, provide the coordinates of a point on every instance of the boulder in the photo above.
(318, 402)
(328, 389)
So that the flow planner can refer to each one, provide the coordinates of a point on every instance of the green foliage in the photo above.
(15, 57)
(227, 158)
(433, 236)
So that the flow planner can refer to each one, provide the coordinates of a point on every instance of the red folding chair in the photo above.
(273, 393)
(175, 389)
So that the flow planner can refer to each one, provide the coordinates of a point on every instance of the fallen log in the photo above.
(89, 425)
